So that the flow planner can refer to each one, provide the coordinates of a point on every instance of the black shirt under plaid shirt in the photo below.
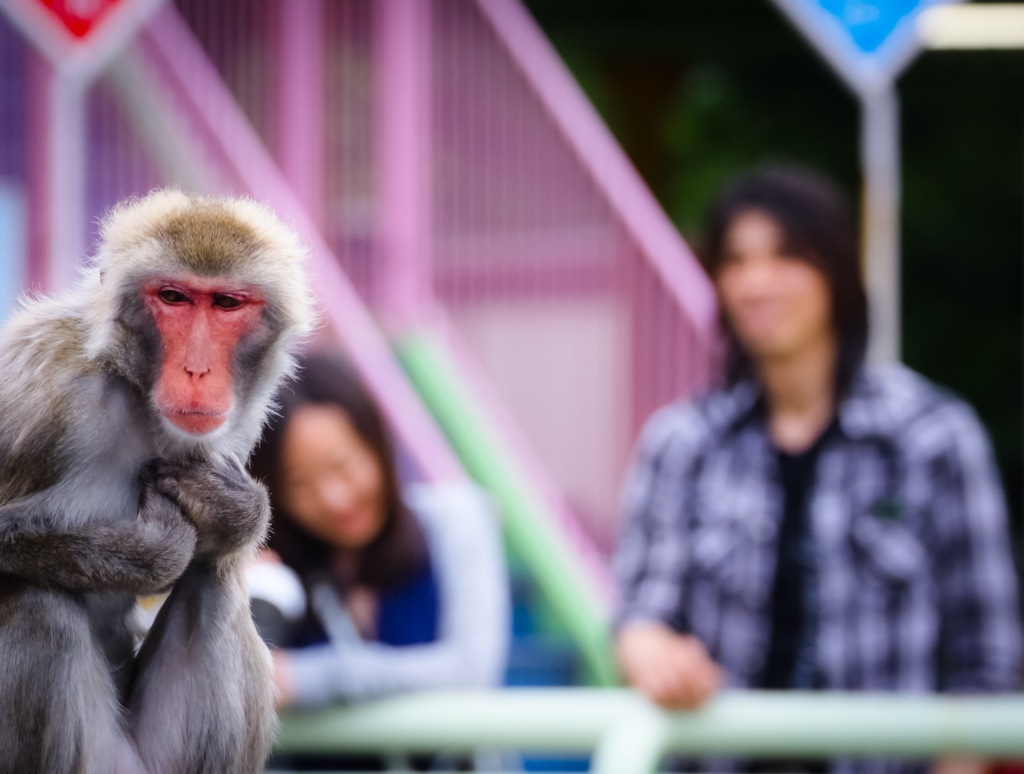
(915, 585)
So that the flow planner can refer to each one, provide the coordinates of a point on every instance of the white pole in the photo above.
(880, 164)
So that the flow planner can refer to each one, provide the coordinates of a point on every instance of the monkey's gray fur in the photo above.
(102, 500)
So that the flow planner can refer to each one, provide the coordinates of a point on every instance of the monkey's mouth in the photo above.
(196, 422)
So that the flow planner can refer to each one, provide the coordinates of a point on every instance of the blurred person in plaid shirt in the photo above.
(818, 522)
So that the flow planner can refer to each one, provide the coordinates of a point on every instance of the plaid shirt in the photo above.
(914, 585)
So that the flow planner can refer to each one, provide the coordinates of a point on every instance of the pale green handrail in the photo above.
(627, 735)
(528, 526)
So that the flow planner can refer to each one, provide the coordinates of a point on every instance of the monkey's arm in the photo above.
(220, 717)
(42, 545)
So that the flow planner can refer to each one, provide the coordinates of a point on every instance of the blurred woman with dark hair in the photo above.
(818, 522)
(406, 586)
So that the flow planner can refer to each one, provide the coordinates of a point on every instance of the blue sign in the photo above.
(870, 22)
(868, 42)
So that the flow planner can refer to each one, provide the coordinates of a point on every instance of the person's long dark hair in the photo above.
(817, 227)
(399, 550)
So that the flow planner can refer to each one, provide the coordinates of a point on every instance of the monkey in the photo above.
(128, 407)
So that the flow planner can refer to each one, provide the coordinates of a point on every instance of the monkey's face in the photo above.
(201, 323)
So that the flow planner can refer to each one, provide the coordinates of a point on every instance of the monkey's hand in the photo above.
(169, 538)
(229, 509)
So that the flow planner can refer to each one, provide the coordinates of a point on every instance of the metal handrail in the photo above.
(626, 734)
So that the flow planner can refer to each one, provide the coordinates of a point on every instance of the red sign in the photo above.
(79, 16)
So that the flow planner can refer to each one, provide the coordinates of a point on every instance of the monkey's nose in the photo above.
(196, 371)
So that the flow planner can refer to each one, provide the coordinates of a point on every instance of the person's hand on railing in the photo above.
(961, 764)
(672, 669)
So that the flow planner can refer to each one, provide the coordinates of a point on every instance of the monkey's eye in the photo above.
(227, 302)
(172, 296)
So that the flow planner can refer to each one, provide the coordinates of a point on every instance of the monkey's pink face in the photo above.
(201, 321)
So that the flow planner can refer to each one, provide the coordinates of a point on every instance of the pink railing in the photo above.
(571, 288)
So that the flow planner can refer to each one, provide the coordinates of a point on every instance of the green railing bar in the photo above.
(528, 526)
(566, 720)
(828, 724)
(628, 735)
